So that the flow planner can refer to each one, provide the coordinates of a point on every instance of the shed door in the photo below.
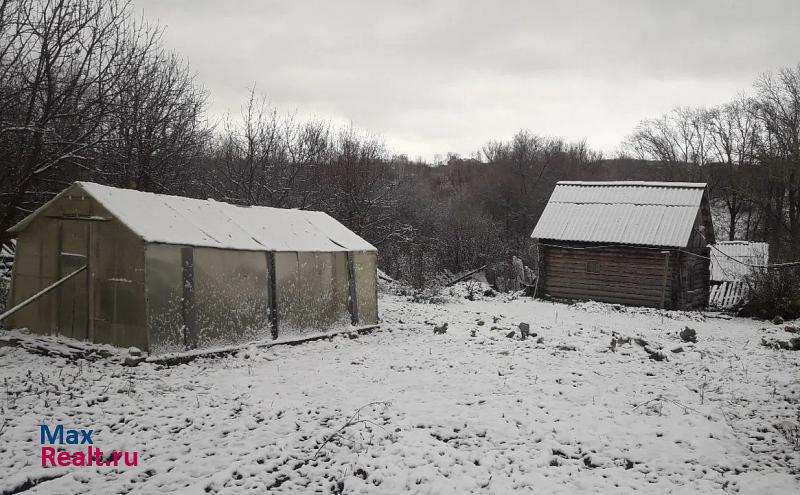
(73, 294)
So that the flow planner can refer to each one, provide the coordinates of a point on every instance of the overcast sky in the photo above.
(446, 76)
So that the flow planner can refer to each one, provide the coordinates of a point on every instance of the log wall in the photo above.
(694, 278)
(626, 275)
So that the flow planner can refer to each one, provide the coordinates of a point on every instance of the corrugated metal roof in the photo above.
(167, 219)
(636, 213)
(723, 268)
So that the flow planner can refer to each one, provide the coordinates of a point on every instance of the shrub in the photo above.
(774, 292)
(430, 295)
(5, 287)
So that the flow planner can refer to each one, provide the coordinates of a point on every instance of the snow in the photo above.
(161, 218)
(405, 410)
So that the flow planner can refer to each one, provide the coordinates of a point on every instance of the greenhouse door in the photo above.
(73, 300)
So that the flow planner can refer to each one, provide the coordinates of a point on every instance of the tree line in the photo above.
(88, 92)
(748, 150)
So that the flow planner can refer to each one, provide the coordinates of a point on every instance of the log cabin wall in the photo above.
(694, 278)
(658, 278)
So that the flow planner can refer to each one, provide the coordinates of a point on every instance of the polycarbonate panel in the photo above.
(287, 289)
(306, 292)
(311, 298)
(36, 267)
(117, 267)
(164, 282)
(75, 203)
(230, 296)
(340, 296)
(73, 295)
(366, 273)
(312, 292)
(331, 294)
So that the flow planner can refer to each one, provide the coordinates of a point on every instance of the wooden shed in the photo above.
(167, 273)
(637, 243)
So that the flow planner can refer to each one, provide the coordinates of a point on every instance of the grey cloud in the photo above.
(448, 75)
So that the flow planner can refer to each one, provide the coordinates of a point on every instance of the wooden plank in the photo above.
(607, 267)
(654, 302)
(607, 298)
(726, 294)
(616, 263)
(600, 289)
(582, 254)
(713, 296)
(609, 276)
(650, 290)
(598, 255)
(622, 277)
(79, 218)
(465, 275)
(664, 282)
(577, 247)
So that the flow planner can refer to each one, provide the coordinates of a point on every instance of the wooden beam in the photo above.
(272, 294)
(79, 218)
(351, 278)
(40, 293)
(176, 359)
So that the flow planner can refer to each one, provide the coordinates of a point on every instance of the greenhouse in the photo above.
(167, 273)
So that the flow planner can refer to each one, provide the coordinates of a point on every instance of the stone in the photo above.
(525, 330)
(688, 335)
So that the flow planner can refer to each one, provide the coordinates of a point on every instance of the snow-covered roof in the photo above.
(165, 219)
(635, 212)
(732, 260)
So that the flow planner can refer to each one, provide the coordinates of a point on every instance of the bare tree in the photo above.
(77, 76)
(155, 133)
(270, 160)
(360, 186)
(778, 110)
(734, 136)
(675, 139)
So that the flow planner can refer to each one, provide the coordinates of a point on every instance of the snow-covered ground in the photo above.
(407, 410)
